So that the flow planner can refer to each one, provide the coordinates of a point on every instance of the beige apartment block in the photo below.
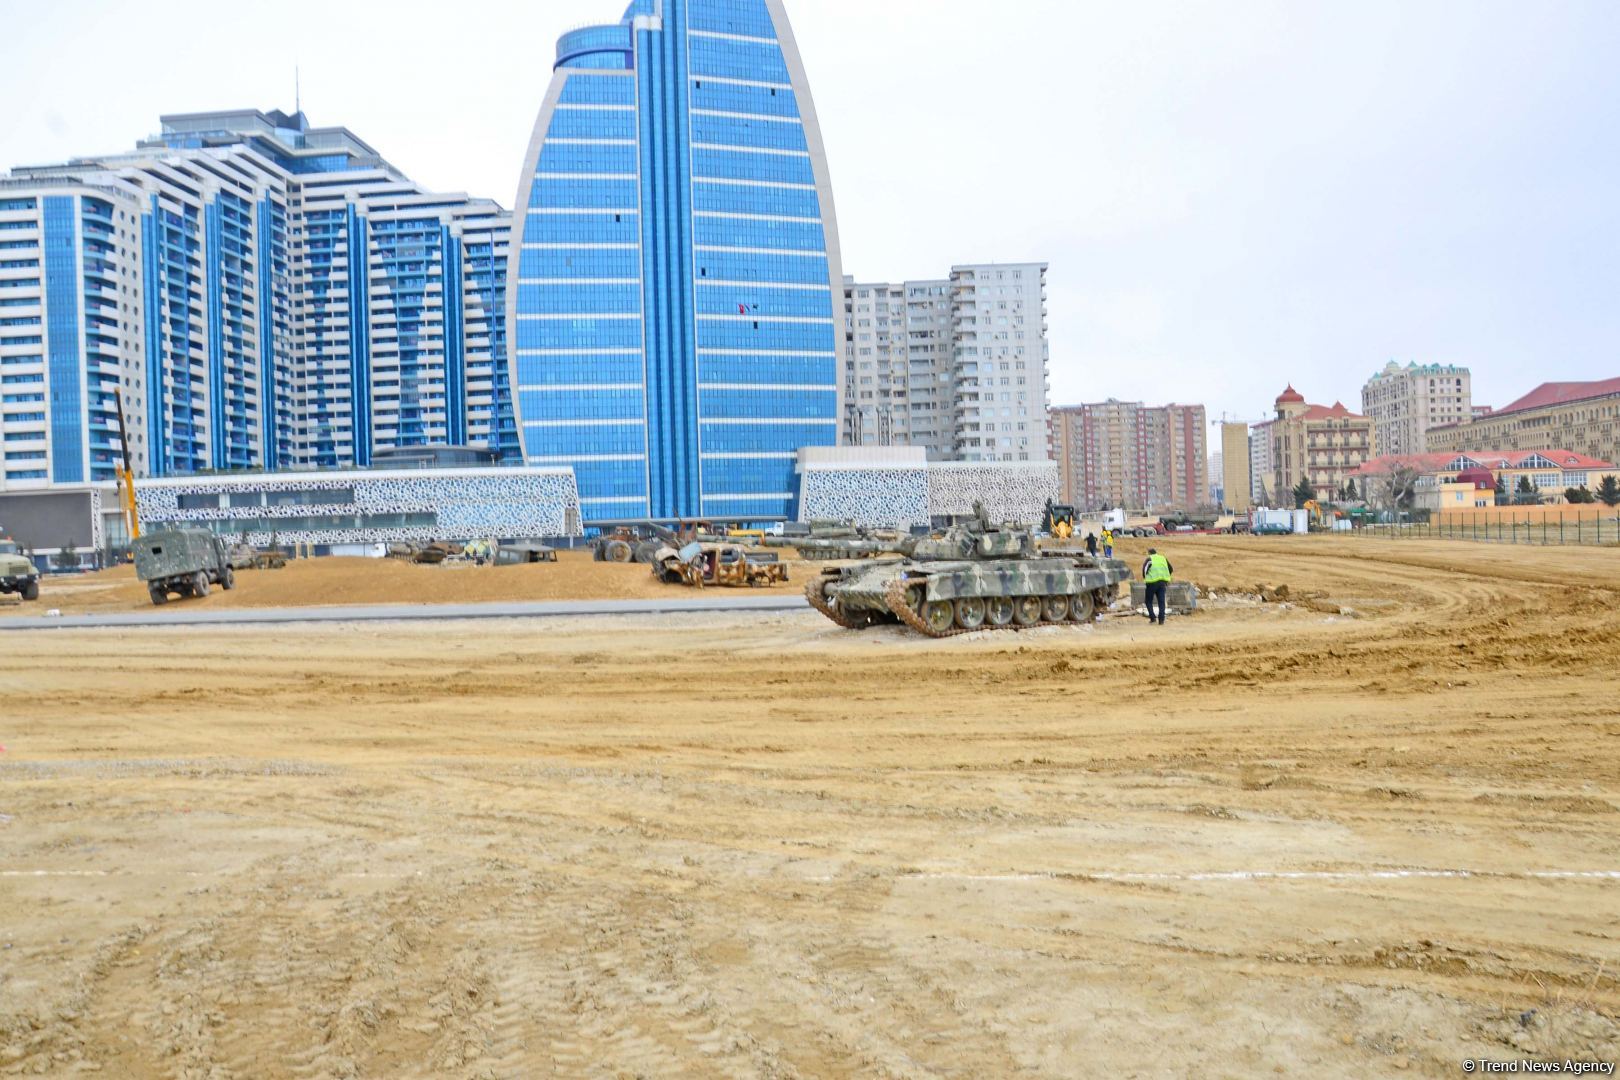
(1324, 443)
(1405, 402)
(1236, 483)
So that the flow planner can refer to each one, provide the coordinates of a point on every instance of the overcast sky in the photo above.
(1231, 195)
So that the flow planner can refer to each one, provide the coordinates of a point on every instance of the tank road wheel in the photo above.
(199, 583)
(1082, 608)
(1055, 608)
(1026, 610)
(619, 551)
(914, 597)
(970, 612)
(998, 610)
(158, 593)
(227, 579)
(939, 615)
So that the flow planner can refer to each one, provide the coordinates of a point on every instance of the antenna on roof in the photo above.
(298, 96)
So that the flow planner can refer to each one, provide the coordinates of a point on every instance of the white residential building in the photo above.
(956, 365)
(1405, 402)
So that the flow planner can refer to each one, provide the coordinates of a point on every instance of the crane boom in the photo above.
(126, 474)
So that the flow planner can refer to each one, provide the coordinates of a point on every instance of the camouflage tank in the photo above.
(976, 576)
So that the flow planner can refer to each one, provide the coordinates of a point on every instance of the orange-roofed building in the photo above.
(1584, 416)
(1323, 443)
(1550, 472)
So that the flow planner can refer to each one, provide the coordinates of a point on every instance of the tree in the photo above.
(1263, 499)
(67, 558)
(1350, 490)
(1608, 492)
(1525, 493)
(1501, 490)
(1578, 495)
(1304, 492)
(1395, 490)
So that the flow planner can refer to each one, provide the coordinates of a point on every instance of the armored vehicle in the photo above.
(521, 552)
(975, 576)
(17, 572)
(184, 561)
(836, 540)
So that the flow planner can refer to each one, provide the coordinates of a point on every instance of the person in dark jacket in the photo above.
(1091, 544)
(1156, 573)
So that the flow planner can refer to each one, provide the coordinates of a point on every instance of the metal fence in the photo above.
(1560, 528)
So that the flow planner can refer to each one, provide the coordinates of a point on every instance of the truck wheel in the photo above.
(227, 579)
(30, 589)
(159, 594)
(199, 583)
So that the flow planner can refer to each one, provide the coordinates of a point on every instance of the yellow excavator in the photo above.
(1059, 520)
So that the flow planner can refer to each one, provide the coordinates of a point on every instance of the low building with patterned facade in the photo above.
(897, 486)
(1583, 416)
(344, 507)
(1324, 444)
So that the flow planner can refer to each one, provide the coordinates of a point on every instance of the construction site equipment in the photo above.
(1059, 520)
(184, 561)
(18, 574)
(698, 564)
(975, 576)
(126, 474)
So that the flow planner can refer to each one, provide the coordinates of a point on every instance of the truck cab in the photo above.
(17, 572)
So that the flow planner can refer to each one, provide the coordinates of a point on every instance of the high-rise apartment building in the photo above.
(877, 380)
(267, 295)
(1126, 454)
(1405, 402)
(1260, 464)
(676, 315)
(1324, 444)
(957, 365)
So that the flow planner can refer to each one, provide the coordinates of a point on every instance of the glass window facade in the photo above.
(676, 260)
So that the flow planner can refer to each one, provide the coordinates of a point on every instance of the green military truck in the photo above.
(17, 572)
(184, 561)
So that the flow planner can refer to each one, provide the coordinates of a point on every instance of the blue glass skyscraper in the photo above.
(676, 296)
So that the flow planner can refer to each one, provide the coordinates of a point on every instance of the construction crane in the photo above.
(126, 474)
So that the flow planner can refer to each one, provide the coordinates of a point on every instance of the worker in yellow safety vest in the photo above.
(1108, 542)
(1156, 572)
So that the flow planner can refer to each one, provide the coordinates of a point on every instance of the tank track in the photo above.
(896, 596)
(816, 592)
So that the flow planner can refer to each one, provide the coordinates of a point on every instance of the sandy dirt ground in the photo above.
(1268, 839)
(334, 581)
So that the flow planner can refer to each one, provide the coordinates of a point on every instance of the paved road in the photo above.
(185, 614)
